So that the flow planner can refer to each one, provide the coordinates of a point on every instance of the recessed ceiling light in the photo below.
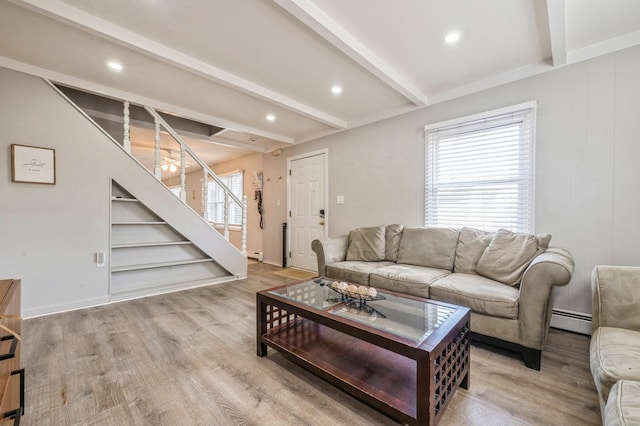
(271, 117)
(336, 90)
(452, 37)
(115, 66)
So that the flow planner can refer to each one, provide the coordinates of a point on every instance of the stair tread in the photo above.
(131, 200)
(159, 265)
(151, 244)
(139, 223)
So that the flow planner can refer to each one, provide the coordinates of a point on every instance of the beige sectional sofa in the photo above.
(615, 343)
(505, 278)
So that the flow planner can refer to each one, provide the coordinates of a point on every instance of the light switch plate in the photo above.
(340, 199)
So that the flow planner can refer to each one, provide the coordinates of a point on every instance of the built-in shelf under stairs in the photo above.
(150, 256)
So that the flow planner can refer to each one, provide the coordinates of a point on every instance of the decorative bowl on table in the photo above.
(354, 292)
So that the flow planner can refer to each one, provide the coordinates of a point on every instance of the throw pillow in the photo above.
(392, 235)
(471, 245)
(366, 244)
(431, 247)
(509, 254)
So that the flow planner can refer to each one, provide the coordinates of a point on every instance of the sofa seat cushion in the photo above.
(623, 405)
(408, 279)
(354, 271)
(478, 293)
(614, 354)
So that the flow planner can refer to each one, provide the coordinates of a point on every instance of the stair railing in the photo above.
(208, 174)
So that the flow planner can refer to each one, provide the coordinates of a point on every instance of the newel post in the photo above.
(244, 225)
(226, 215)
(157, 172)
(205, 195)
(126, 142)
(183, 176)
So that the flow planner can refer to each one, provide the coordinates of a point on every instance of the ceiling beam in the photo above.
(556, 10)
(316, 19)
(63, 12)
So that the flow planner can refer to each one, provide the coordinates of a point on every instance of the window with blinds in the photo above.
(214, 210)
(479, 170)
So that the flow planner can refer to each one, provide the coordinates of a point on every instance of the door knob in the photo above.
(321, 222)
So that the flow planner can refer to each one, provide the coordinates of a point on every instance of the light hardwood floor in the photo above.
(189, 358)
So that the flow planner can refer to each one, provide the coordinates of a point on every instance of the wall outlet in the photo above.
(340, 199)
(100, 259)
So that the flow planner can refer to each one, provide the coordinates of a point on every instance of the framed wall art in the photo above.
(31, 164)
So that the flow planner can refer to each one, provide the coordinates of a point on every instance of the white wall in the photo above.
(587, 173)
(50, 232)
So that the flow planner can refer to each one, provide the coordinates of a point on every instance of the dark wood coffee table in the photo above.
(403, 355)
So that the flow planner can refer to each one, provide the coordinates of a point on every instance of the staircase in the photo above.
(149, 255)
(158, 243)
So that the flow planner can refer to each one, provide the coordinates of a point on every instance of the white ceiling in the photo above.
(230, 63)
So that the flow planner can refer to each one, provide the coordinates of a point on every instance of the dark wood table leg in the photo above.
(261, 325)
(464, 384)
(425, 398)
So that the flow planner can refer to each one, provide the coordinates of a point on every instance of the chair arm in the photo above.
(331, 250)
(552, 268)
(615, 297)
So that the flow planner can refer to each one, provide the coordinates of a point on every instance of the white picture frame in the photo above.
(32, 164)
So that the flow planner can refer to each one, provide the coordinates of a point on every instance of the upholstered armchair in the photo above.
(615, 343)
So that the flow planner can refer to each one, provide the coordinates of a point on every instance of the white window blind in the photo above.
(479, 170)
(215, 207)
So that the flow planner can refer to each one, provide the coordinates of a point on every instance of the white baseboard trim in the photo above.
(137, 294)
(578, 322)
(272, 263)
(172, 288)
(65, 307)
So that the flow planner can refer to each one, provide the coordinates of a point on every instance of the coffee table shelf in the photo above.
(407, 360)
(363, 369)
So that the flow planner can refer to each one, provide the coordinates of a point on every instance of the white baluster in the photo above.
(205, 195)
(183, 176)
(156, 169)
(126, 143)
(243, 244)
(226, 215)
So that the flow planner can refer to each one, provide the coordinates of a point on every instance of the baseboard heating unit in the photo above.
(578, 322)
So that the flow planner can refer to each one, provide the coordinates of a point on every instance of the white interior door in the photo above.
(307, 199)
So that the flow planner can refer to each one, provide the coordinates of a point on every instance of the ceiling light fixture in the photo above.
(115, 66)
(336, 90)
(168, 163)
(452, 37)
(271, 117)
(169, 167)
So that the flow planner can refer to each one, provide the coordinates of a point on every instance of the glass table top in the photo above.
(408, 318)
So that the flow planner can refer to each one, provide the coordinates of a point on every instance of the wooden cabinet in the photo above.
(11, 375)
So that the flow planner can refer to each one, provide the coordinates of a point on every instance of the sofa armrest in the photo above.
(331, 250)
(552, 268)
(616, 297)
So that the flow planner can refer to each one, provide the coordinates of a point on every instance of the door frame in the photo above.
(324, 152)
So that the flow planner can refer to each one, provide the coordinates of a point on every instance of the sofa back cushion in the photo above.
(392, 235)
(509, 254)
(431, 247)
(471, 245)
(367, 244)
